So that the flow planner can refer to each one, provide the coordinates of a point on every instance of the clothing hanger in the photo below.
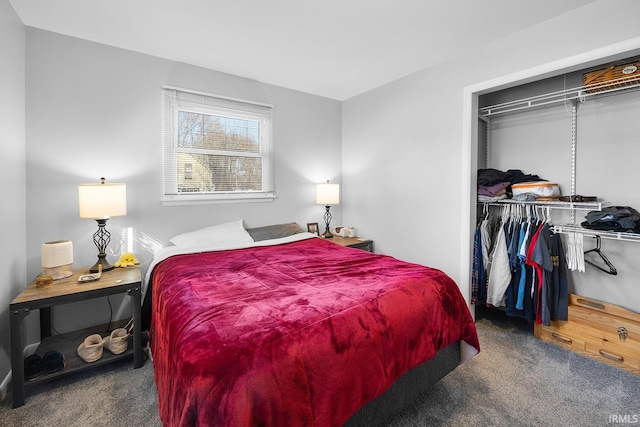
(485, 211)
(612, 270)
(548, 214)
(505, 213)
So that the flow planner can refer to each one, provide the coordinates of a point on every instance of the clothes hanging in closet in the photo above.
(526, 271)
(500, 274)
(477, 276)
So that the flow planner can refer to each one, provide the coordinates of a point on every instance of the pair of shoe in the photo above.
(91, 348)
(50, 363)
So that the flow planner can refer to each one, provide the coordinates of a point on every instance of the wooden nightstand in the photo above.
(118, 280)
(354, 242)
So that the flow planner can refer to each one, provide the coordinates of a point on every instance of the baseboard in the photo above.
(30, 349)
(4, 386)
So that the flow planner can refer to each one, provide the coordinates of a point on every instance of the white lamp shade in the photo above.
(56, 254)
(328, 194)
(101, 201)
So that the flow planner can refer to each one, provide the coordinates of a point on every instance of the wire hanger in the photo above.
(611, 269)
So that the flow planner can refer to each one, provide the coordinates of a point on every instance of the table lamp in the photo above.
(101, 202)
(57, 259)
(327, 194)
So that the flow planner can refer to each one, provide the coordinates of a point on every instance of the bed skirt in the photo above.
(407, 389)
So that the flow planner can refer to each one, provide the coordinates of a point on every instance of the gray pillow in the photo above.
(274, 231)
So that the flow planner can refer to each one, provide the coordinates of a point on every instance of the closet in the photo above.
(587, 141)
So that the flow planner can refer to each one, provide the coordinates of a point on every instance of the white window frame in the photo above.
(177, 99)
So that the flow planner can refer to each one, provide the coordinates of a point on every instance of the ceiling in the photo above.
(332, 48)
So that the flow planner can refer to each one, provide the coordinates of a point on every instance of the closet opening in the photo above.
(480, 153)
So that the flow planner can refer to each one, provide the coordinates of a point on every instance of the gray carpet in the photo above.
(110, 395)
(518, 380)
(515, 381)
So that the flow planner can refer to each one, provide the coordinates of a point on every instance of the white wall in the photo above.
(414, 205)
(95, 110)
(12, 171)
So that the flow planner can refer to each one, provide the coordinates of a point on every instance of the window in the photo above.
(215, 149)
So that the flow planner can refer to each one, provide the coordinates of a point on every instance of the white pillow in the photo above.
(230, 233)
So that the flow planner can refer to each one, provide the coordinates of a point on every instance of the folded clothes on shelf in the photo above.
(613, 218)
(488, 177)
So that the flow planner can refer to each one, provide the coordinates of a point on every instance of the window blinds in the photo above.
(215, 148)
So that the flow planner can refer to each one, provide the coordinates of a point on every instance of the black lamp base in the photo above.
(101, 239)
(327, 220)
(105, 266)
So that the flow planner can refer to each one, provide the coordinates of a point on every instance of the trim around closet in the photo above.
(470, 131)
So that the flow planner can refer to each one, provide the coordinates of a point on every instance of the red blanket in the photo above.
(299, 334)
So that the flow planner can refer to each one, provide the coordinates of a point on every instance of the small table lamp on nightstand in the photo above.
(327, 194)
(57, 259)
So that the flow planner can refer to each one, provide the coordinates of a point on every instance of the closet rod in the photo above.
(591, 206)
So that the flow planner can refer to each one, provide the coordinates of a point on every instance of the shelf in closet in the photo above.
(574, 228)
(573, 96)
(591, 206)
(615, 235)
(578, 94)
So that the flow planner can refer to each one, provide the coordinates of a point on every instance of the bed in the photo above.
(297, 331)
